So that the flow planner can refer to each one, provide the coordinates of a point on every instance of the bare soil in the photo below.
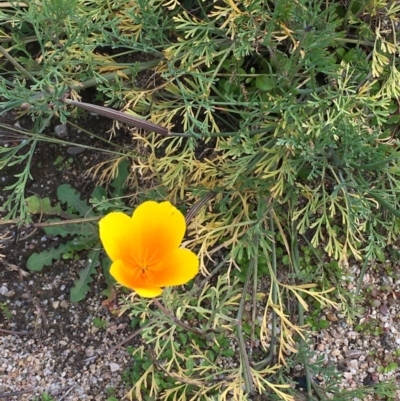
(48, 344)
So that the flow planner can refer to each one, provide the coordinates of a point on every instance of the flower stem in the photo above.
(177, 321)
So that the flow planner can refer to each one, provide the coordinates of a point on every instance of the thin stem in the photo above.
(7, 4)
(55, 223)
(15, 393)
(272, 346)
(362, 273)
(26, 39)
(248, 379)
(64, 222)
(44, 138)
(296, 266)
(197, 206)
(214, 272)
(355, 41)
(177, 321)
(120, 344)
(112, 76)
(100, 138)
(17, 65)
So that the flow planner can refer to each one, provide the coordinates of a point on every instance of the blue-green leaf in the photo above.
(37, 261)
(81, 287)
(71, 197)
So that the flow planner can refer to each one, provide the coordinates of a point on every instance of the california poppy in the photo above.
(144, 249)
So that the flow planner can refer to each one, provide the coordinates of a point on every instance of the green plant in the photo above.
(371, 325)
(62, 163)
(99, 323)
(80, 225)
(5, 310)
(315, 322)
(277, 121)
(110, 392)
(44, 397)
(389, 368)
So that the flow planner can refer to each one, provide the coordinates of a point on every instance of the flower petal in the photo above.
(148, 292)
(144, 248)
(177, 268)
(117, 233)
(124, 275)
(159, 229)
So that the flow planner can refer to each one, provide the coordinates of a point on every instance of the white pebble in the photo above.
(114, 367)
(3, 290)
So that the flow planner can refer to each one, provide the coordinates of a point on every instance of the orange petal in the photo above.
(148, 292)
(159, 229)
(123, 274)
(117, 233)
(178, 267)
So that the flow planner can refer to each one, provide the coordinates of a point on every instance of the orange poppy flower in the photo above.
(144, 249)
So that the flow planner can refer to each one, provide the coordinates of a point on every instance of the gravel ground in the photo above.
(367, 351)
(58, 348)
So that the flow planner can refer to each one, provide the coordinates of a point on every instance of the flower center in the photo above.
(142, 267)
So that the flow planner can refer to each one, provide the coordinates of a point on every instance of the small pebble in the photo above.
(64, 304)
(89, 352)
(114, 367)
(3, 290)
(61, 130)
(375, 303)
(335, 352)
(353, 353)
(332, 317)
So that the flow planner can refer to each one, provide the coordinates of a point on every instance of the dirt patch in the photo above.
(48, 344)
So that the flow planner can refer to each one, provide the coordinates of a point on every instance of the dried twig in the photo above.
(120, 116)
(120, 344)
(66, 393)
(17, 333)
(15, 393)
(197, 206)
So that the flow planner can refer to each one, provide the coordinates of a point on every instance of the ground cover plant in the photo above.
(79, 224)
(272, 125)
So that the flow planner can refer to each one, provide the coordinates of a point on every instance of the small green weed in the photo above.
(315, 322)
(110, 392)
(371, 326)
(391, 367)
(44, 397)
(99, 323)
(5, 310)
(61, 163)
